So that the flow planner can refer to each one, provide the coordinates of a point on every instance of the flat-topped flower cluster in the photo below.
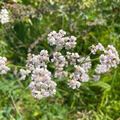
(43, 79)
(109, 58)
(60, 40)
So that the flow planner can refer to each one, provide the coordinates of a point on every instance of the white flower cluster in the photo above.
(4, 16)
(96, 48)
(24, 73)
(3, 68)
(60, 74)
(42, 85)
(60, 40)
(70, 43)
(59, 62)
(72, 57)
(78, 76)
(109, 59)
(39, 60)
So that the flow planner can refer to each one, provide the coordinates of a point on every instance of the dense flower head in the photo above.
(59, 60)
(108, 59)
(78, 76)
(113, 57)
(101, 68)
(39, 60)
(3, 68)
(60, 74)
(70, 43)
(74, 84)
(57, 39)
(81, 74)
(4, 16)
(42, 85)
(60, 40)
(72, 57)
(98, 47)
(75, 58)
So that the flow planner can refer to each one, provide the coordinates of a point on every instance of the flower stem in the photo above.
(18, 66)
(90, 60)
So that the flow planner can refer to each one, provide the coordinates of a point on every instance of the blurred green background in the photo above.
(91, 21)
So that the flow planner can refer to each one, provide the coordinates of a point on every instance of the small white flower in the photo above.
(60, 74)
(4, 16)
(58, 60)
(72, 57)
(74, 84)
(87, 64)
(84, 77)
(94, 48)
(24, 73)
(96, 77)
(101, 68)
(3, 68)
(77, 76)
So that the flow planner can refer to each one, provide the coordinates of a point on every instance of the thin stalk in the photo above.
(18, 66)
(17, 110)
(90, 60)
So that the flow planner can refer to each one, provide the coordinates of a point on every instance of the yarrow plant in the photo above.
(43, 80)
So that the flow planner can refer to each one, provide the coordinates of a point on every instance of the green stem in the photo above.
(90, 60)
(18, 66)
(95, 59)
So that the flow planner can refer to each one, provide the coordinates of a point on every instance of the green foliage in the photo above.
(91, 21)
